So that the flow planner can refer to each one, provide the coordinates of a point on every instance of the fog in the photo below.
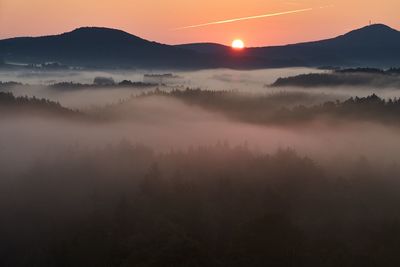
(231, 174)
(220, 79)
(250, 82)
(165, 123)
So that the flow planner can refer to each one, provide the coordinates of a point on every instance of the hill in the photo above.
(32, 106)
(375, 45)
(347, 77)
(95, 47)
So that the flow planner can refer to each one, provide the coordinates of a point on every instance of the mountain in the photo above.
(375, 45)
(206, 48)
(111, 48)
(96, 47)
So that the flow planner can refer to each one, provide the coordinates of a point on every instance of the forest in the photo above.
(270, 109)
(288, 108)
(378, 78)
(196, 176)
(219, 205)
(9, 104)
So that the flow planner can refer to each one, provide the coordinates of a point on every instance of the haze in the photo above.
(154, 19)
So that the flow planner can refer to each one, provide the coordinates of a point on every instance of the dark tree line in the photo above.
(30, 105)
(370, 108)
(344, 77)
(278, 109)
(77, 86)
(390, 71)
(6, 85)
(283, 108)
(323, 79)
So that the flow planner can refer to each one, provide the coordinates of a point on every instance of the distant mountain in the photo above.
(206, 48)
(375, 45)
(96, 47)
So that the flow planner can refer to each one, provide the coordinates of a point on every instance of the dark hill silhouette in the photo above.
(206, 48)
(375, 45)
(377, 78)
(23, 105)
(104, 47)
(96, 47)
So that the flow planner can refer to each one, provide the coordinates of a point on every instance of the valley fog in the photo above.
(205, 163)
(219, 79)
(166, 123)
(255, 82)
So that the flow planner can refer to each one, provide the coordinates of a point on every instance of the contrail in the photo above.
(247, 18)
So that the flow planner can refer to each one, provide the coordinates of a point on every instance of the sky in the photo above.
(156, 20)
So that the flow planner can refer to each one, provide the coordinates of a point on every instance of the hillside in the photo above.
(375, 45)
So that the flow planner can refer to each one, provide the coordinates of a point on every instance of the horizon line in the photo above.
(187, 43)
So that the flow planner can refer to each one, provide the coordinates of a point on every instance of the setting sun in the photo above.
(237, 44)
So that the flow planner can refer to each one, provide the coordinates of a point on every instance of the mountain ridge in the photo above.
(374, 45)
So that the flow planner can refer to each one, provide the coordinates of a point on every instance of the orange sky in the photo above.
(153, 19)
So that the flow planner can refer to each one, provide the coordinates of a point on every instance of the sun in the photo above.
(237, 44)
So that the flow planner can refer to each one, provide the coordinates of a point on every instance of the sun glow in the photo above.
(237, 44)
